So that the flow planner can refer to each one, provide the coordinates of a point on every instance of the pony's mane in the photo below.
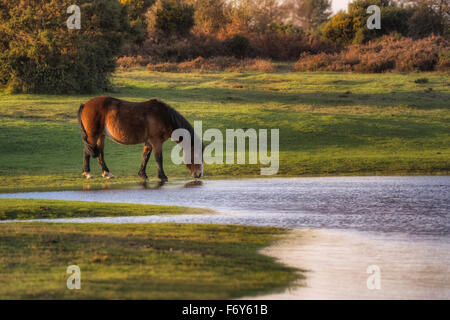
(177, 120)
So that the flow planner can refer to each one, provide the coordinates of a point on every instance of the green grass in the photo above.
(144, 261)
(24, 209)
(330, 124)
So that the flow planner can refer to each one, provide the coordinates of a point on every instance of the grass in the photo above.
(145, 261)
(330, 124)
(24, 209)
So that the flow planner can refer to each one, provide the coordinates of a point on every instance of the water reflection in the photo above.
(150, 186)
(410, 205)
(193, 184)
(89, 187)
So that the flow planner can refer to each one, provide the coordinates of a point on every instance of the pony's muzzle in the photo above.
(197, 175)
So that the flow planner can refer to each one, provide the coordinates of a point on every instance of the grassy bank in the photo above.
(23, 209)
(330, 124)
(149, 261)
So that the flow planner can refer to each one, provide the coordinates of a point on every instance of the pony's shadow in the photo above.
(148, 186)
(193, 184)
(160, 184)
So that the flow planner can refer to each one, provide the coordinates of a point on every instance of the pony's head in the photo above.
(195, 165)
(193, 156)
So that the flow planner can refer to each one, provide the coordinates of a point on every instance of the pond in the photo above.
(399, 224)
(416, 206)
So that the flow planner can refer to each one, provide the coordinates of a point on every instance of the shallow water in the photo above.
(416, 206)
(400, 224)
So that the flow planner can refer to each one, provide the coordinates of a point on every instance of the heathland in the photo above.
(330, 124)
(138, 261)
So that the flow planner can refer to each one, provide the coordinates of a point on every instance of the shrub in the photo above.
(176, 49)
(125, 63)
(444, 61)
(238, 46)
(418, 20)
(136, 14)
(215, 64)
(389, 53)
(282, 46)
(421, 80)
(170, 17)
(271, 45)
(39, 54)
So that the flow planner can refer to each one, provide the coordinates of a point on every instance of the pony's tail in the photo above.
(92, 150)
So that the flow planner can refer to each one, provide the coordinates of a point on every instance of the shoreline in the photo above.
(133, 182)
(335, 265)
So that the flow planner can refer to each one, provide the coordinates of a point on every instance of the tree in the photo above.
(428, 17)
(424, 21)
(309, 13)
(170, 18)
(209, 15)
(136, 13)
(351, 26)
(38, 53)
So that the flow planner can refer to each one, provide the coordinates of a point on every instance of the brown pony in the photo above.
(151, 122)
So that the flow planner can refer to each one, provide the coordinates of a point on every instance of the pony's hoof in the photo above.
(108, 175)
(164, 179)
(143, 177)
(88, 175)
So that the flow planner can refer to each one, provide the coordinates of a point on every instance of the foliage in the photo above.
(210, 15)
(387, 54)
(231, 64)
(136, 13)
(39, 54)
(170, 18)
(418, 21)
(238, 46)
(309, 13)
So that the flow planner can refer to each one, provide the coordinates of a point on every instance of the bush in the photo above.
(421, 19)
(288, 47)
(170, 17)
(444, 61)
(238, 46)
(421, 80)
(125, 63)
(39, 54)
(215, 64)
(271, 45)
(387, 54)
(177, 49)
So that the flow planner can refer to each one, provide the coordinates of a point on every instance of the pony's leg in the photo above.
(86, 166)
(159, 162)
(145, 156)
(101, 158)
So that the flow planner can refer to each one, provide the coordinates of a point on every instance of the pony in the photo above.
(129, 123)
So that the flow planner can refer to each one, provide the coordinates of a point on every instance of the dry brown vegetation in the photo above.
(271, 45)
(202, 64)
(387, 54)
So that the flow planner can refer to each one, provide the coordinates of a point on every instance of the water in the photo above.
(400, 224)
(413, 206)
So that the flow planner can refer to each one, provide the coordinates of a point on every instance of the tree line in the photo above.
(39, 54)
